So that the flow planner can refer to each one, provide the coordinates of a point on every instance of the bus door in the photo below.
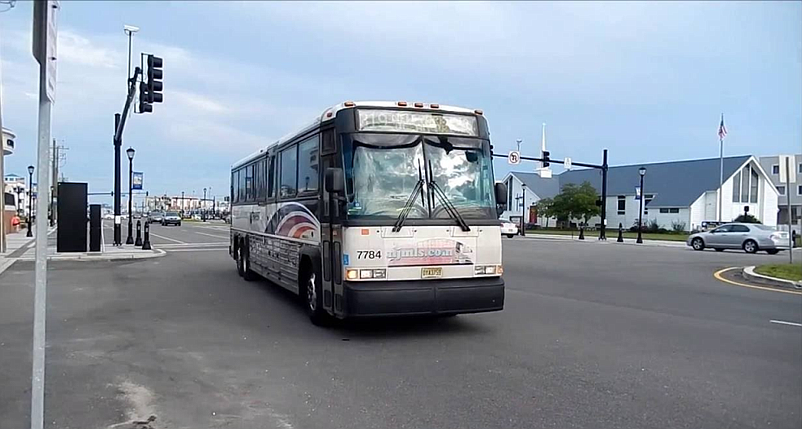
(331, 233)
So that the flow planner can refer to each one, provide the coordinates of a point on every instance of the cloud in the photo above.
(76, 49)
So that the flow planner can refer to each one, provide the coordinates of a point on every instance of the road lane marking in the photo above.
(198, 249)
(783, 322)
(171, 245)
(167, 238)
(718, 276)
(211, 235)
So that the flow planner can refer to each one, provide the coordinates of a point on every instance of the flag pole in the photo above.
(721, 132)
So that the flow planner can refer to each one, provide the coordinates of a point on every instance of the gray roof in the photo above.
(674, 183)
(544, 188)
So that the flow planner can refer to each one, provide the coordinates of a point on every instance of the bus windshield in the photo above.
(382, 170)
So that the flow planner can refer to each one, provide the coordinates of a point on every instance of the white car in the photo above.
(508, 228)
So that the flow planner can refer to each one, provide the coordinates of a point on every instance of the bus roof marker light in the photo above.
(349, 104)
(329, 114)
(402, 104)
(434, 106)
(418, 104)
(478, 111)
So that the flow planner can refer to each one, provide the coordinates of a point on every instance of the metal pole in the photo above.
(720, 176)
(130, 37)
(117, 188)
(55, 185)
(523, 209)
(130, 239)
(203, 206)
(640, 212)
(30, 205)
(788, 200)
(40, 271)
(603, 231)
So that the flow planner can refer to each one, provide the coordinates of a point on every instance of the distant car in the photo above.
(155, 216)
(508, 228)
(750, 237)
(171, 218)
(108, 216)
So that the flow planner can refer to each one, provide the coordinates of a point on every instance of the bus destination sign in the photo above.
(417, 122)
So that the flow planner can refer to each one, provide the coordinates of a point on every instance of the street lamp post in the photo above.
(30, 201)
(182, 204)
(203, 206)
(130, 152)
(642, 172)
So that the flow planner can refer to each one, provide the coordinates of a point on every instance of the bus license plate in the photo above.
(431, 272)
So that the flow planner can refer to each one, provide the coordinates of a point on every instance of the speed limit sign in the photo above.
(514, 157)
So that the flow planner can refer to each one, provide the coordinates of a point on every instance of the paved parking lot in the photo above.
(593, 336)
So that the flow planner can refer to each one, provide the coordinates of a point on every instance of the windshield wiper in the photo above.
(410, 202)
(452, 211)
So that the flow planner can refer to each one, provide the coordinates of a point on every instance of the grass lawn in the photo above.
(612, 234)
(782, 271)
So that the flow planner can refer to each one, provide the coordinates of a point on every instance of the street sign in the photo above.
(567, 163)
(45, 35)
(137, 182)
(514, 157)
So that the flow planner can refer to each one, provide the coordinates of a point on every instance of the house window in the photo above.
(775, 169)
(736, 188)
(799, 190)
(646, 202)
(622, 204)
(665, 210)
(781, 190)
(745, 185)
(753, 186)
(799, 168)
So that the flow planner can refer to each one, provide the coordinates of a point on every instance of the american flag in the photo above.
(722, 130)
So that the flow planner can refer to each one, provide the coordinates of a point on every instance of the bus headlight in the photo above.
(365, 274)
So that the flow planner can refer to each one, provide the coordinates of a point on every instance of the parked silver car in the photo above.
(750, 237)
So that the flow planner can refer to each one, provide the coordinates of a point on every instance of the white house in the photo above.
(677, 192)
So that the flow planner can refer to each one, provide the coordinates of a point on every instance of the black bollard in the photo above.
(620, 233)
(138, 241)
(146, 243)
(581, 232)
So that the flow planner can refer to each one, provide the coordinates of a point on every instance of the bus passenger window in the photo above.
(289, 167)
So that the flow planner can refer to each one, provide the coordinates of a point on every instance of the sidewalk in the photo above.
(594, 238)
(22, 248)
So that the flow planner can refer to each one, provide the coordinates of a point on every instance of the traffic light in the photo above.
(150, 90)
(545, 158)
(155, 74)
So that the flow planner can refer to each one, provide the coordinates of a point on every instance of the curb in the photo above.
(98, 256)
(750, 274)
(630, 241)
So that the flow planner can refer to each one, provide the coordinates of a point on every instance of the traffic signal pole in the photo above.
(119, 126)
(546, 160)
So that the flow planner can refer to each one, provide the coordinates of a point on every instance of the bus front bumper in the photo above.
(420, 297)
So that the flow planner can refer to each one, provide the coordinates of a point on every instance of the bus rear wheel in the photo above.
(243, 264)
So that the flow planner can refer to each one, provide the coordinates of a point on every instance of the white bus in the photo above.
(375, 209)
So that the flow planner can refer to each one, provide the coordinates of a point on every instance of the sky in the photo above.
(647, 81)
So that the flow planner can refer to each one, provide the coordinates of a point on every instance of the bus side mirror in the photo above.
(501, 195)
(334, 181)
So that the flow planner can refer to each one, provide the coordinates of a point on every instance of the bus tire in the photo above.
(243, 262)
(311, 292)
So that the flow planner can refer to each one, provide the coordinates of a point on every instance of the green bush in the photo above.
(678, 226)
(746, 218)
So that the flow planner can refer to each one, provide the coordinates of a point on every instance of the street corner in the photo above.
(108, 255)
(750, 273)
(745, 277)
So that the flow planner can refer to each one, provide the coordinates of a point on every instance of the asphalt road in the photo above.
(592, 336)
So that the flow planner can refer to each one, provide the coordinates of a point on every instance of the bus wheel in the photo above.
(244, 264)
(312, 295)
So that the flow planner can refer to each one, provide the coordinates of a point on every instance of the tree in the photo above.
(573, 202)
